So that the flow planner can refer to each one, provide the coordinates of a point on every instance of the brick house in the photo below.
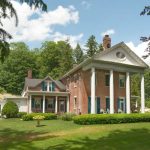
(99, 84)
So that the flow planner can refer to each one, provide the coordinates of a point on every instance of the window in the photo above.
(120, 55)
(107, 79)
(52, 86)
(75, 102)
(50, 104)
(38, 103)
(44, 86)
(121, 81)
(121, 105)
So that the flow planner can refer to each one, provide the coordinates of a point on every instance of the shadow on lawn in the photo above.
(20, 140)
(136, 139)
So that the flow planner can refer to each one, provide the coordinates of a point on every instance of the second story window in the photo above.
(51, 86)
(44, 86)
(107, 79)
(121, 81)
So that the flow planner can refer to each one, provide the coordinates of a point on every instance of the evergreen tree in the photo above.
(100, 48)
(92, 46)
(78, 54)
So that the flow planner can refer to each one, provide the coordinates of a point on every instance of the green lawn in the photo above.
(60, 135)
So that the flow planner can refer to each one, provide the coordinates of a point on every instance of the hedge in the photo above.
(111, 118)
(47, 116)
(67, 116)
(21, 114)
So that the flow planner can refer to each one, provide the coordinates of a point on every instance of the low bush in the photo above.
(67, 116)
(10, 110)
(47, 116)
(111, 118)
(21, 114)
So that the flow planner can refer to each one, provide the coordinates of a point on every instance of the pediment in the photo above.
(121, 54)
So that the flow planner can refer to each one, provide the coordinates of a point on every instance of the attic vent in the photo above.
(120, 55)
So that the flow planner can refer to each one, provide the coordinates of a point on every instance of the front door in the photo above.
(62, 106)
(121, 105)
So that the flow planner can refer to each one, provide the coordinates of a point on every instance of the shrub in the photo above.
(111, 118)
(10, 109)
(47, 116)
(21, 114)
(38, 118)
(67, 116)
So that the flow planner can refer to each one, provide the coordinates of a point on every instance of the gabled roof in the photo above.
(105, 52)
(35, 82)
(126, 49)
(32, 82)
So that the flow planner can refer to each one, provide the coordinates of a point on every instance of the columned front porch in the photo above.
(124, 102)
(46, 103)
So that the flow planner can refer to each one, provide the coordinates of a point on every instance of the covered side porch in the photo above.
(48, 102)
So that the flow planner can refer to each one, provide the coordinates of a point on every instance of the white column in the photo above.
(67, 103)
(93, 91)
(56, 105)
(142, 94)
(111, 92)
(127, 93)
(30, 104)
(43, 103)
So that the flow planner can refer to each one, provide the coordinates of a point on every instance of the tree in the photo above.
(48, 59)
(92, 46)
(55, 59)
(66, 59)
(14, 70)
(100, 48)
(146, 11)
(135, 85)
(147, 84)
(78, 54)
(8, 11)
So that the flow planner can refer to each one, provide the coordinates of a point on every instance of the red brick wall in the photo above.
(83, 89)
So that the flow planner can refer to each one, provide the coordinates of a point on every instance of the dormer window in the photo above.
(51, 86)
(44, 86)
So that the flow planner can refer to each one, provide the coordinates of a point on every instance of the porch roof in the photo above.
(48, 93)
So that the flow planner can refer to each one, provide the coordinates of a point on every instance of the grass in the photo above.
(61, 135)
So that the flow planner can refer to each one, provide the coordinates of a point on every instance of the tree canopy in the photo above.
(8, 11)
(14, 70)
(78, 54)
(92, 46)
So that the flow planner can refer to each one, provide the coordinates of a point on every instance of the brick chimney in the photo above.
(106, 42)
(30, 73)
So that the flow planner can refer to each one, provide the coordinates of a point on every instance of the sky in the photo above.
(77, 20)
